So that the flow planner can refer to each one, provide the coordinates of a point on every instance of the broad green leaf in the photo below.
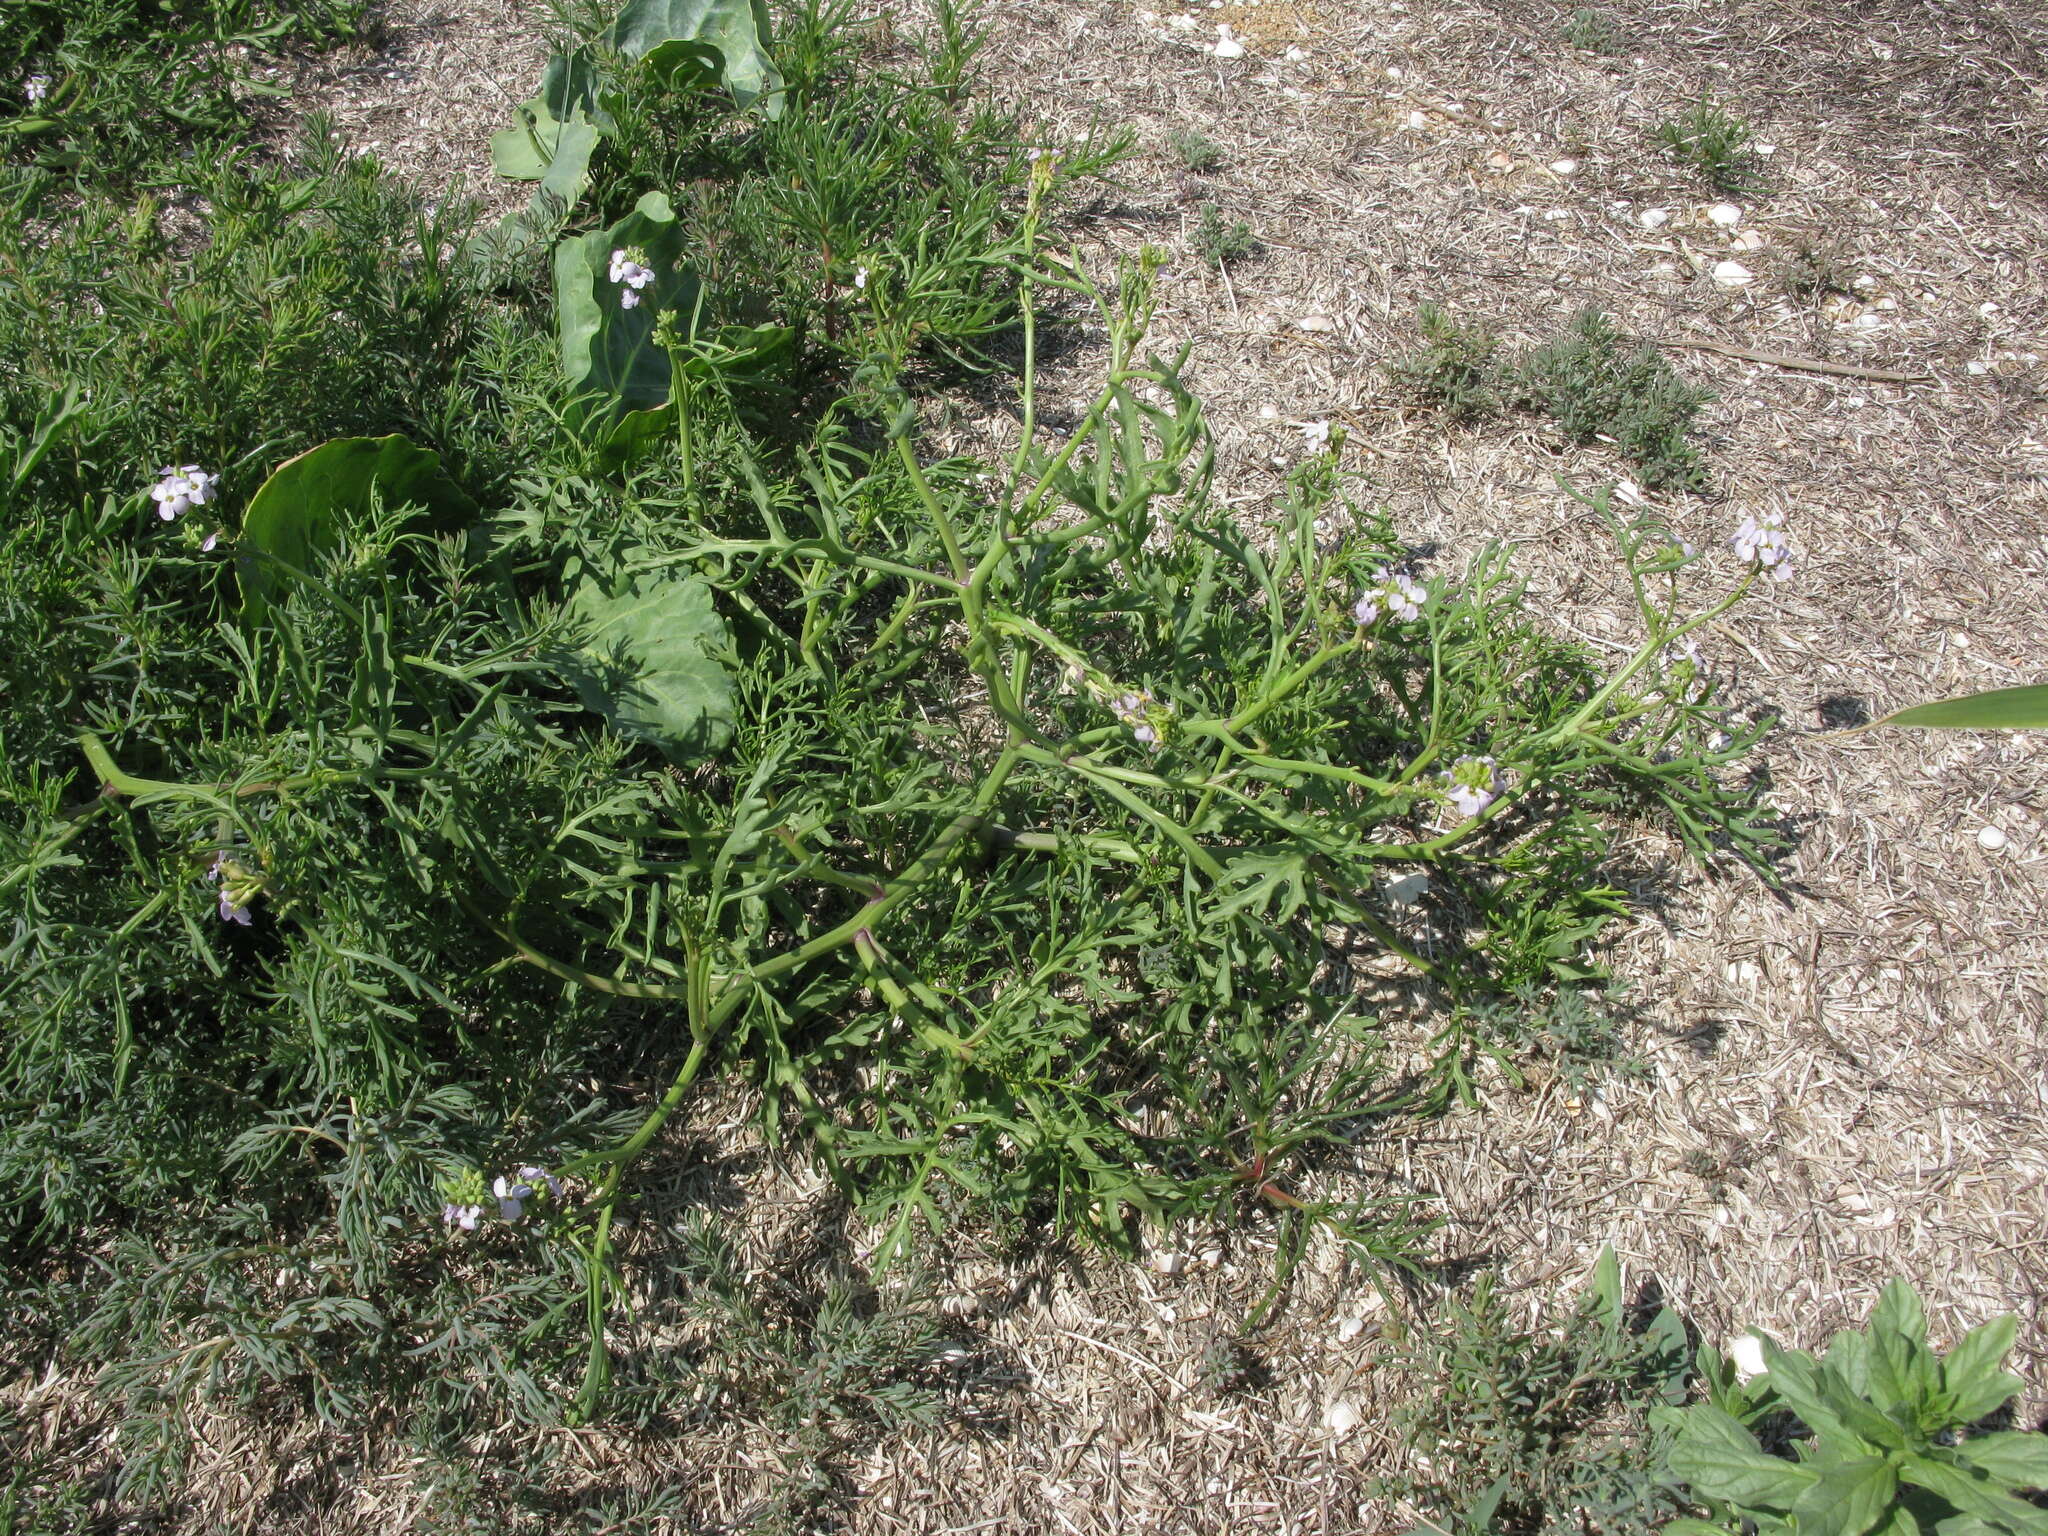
(1898, 1311)
(1898, 1372)
(2015, 1459)
(1266, 882)
(736, 29)
(1685, 1525)
(1848, 1500)
(2000, 709)
(1719, 1459)
(1605, 1287)
(298, 514)
(555, 154)
(683, 65)
(1857, 1413)
(648, 656)
(1971, 1370)
(1669, 1354)
(1967, 1525)
(606, 346)
(1973, 1493)
(1898, 1521)
(1849, 1357)
(1792, 1375)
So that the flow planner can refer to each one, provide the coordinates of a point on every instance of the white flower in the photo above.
(1760, 541)
(1389, 595)
(212, 539)
(1746, 1354)
(1472, 784)
(178, 491)
(35, 88)
(629, 300)
(1316, 434)
(463, 1216)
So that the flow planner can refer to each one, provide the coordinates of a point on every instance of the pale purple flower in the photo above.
(632, 275)
(1316, 435)
(1472, 784)
(231, 910)
(511, 1197)
(1136, 710)
(860, 278)
(178, 491)
(36, 88)
(463, 1216)
(212, 539)
(1389, 595)
(1760, 541)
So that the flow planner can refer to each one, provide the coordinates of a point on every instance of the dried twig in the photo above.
(1804, 364)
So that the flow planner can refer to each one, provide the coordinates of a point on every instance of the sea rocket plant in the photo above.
(627, 271)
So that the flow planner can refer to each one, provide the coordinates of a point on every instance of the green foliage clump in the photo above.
(1715, 143)
(1219, 240)
(1596, 388)
(1196, 151)
(127, 92)
(1543, 1431)
(559, 702)
(1593, 31)
(1878, 1437)
(1456, 368)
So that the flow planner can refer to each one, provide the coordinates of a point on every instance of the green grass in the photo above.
(139, 91)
